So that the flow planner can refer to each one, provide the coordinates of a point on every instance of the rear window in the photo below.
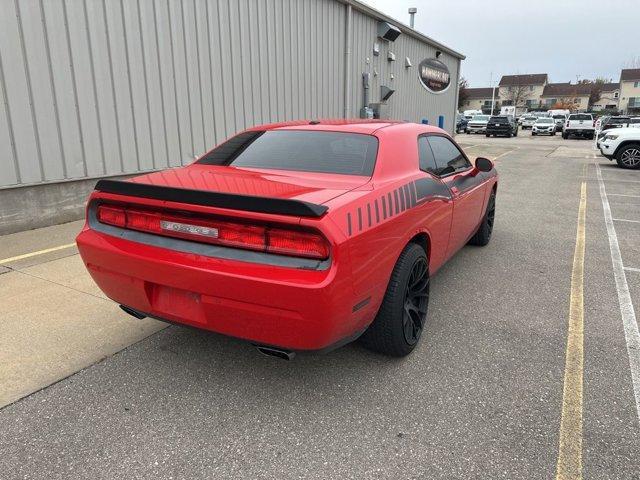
(580, 116)
(558, 117)
(634, 120)
(545, 120)
(500, 119)
(298, 150)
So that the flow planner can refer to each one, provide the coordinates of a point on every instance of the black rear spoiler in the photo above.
(249, 203)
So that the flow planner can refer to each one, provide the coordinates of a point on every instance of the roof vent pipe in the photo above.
(412, 15)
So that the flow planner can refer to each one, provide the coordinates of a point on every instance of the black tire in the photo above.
(533, 134)
(565, 135)
(487, 135)
(398, 325)
(509, 135)
(629, 156)
(483, 235)
(516, 134)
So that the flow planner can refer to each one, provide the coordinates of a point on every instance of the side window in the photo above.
(427, 162)
(448, 157)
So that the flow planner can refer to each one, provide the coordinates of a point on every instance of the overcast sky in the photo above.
(564, 38)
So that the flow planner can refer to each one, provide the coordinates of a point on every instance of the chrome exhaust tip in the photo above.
(276, 352)
(132, 312)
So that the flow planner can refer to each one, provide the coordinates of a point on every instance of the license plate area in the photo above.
(174, 302)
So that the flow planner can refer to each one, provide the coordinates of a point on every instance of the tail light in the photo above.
(263, 238)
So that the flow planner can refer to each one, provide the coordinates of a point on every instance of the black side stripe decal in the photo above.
(405, 197)
(408, 196)
(467, 182)
(426, 187)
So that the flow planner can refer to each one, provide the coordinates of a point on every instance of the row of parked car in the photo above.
(488, 124)
(570, 125)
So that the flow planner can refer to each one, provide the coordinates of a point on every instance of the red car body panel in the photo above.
(368, 222)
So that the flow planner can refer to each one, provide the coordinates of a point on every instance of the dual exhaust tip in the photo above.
(268, 351)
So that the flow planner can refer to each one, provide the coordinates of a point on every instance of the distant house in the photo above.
(525, 90)
(630, 91)
(479, 99)
(609, 98)
(566, 93)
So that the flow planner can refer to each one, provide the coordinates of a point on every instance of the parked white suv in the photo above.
(579, 124)
(623, 145)
(544, 126)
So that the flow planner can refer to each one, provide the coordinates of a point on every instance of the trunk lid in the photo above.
(310, 187)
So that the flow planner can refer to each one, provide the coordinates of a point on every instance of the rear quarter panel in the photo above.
(379, 219)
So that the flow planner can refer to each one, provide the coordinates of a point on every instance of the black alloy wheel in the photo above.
(401, 319)
(483, 235)
(416, 301)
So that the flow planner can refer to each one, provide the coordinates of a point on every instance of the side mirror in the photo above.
(484, 164)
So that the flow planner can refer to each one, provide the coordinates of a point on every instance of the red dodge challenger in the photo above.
(294, 236)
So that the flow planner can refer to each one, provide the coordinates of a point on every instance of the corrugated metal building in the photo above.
(96, 88)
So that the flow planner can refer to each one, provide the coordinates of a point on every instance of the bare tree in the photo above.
(514, 95)
(463, 92)
(596, 87)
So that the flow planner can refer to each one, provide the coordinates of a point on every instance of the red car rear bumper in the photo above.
(297, 309)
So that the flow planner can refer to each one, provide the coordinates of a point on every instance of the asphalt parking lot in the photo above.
(499, 385)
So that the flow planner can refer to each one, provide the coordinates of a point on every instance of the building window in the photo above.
(636, 84)
(577, 100)
(616, 94)
(550, 101)
(634, 102)
(531, 88)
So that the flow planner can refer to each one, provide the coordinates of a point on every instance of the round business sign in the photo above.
(434, 75)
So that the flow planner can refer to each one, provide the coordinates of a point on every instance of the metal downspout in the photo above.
(347, 64)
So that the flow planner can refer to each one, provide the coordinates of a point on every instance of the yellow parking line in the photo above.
(39, 252)
(570, 445)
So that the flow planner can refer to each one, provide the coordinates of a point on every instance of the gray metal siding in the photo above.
(411, 101)
(92, 88)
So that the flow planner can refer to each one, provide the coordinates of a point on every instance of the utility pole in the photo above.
(493, 92)
(412, 14)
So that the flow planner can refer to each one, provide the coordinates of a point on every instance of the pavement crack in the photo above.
(59, 284)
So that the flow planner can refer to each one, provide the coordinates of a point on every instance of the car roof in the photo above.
(362, 126)
(334, 125)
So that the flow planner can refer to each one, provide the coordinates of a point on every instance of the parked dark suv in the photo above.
(502, 125)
